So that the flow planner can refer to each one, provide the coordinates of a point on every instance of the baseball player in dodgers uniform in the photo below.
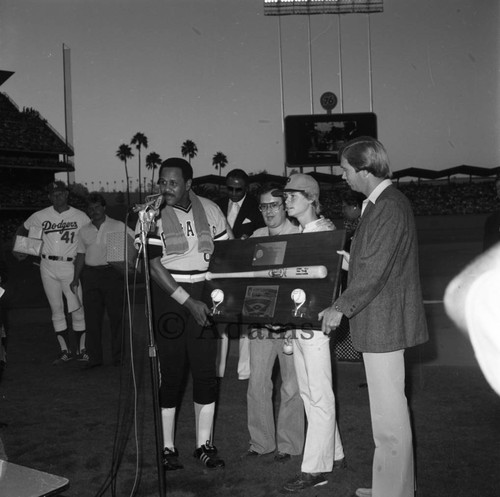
(179, 252)
(59, 225)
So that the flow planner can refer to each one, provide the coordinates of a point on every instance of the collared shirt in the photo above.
(232, 212)
(375, 194)
(93, 242)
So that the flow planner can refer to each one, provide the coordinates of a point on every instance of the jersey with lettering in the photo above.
(59, 230)
(191, 260)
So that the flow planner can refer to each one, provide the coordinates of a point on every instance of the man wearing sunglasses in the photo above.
(243, 217)
(240, 208)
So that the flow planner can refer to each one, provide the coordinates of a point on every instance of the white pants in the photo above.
(56, 278)
(313, 366)
(244, 356)
(393, 471)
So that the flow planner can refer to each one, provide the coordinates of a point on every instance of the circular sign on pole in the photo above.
(328, 101)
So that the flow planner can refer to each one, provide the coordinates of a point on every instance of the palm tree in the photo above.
(153, 160)
(124, 152)
(139, 140)
(219, 160)
(189, 150)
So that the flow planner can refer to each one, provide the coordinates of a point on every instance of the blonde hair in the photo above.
(367, 153)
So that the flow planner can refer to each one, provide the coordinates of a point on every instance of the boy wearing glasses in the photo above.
(265, 347)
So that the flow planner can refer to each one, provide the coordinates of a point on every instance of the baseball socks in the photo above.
(80, 340)
(65, 356)
(170, 457)
(206, 453)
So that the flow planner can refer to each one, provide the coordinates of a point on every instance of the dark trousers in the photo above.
(182, 342)
(102, 291)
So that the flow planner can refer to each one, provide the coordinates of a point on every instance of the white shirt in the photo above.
(375, 194)
(59, 230)
(233, 209)
(191, 260)
(315, 225)
(93, 242)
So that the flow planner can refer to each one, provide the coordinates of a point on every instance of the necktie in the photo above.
(233, 213)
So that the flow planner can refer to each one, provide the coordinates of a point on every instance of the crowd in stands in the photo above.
(461, 197)
(28, 134)
(26, 130)
(451, 198)
(20, 195)
(49, 161)
(431, 199)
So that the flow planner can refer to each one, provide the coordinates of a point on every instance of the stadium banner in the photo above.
(308, 7)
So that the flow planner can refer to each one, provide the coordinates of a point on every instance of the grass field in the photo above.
(89, 425)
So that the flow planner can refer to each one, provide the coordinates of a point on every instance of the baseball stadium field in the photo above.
(95, 427)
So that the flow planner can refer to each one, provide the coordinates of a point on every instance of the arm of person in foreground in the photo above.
(165, 280)
(471, 301)
(458, 290)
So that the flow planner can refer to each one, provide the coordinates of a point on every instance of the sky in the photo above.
(209, 71)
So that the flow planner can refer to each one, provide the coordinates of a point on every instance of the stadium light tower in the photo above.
(314, 7)
(68, 109)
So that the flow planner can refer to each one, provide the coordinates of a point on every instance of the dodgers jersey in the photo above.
(191, 260)
(59, 230)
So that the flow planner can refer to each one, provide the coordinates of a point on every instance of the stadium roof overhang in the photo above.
(60, 168)
(4, 76)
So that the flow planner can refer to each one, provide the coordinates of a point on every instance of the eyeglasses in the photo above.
(272, 206)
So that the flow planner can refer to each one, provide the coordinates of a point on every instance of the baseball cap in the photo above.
(56, 186)
(304, 183)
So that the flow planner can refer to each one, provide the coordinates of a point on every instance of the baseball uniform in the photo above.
(59, 236)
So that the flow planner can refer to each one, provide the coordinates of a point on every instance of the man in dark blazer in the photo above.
(240, 208)
(383, 301)
(244, 217)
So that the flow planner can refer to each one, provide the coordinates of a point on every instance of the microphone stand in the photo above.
(146, 218)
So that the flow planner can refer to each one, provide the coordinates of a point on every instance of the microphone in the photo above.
(152, 201)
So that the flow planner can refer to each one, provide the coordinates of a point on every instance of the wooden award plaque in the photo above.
(277, 280)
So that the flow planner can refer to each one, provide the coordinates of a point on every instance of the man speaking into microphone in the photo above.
(179, 251)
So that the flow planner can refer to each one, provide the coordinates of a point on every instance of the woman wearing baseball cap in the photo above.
(311, 351)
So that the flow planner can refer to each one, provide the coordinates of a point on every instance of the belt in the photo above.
(57, 258)
(189, 278)
(98, 267)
